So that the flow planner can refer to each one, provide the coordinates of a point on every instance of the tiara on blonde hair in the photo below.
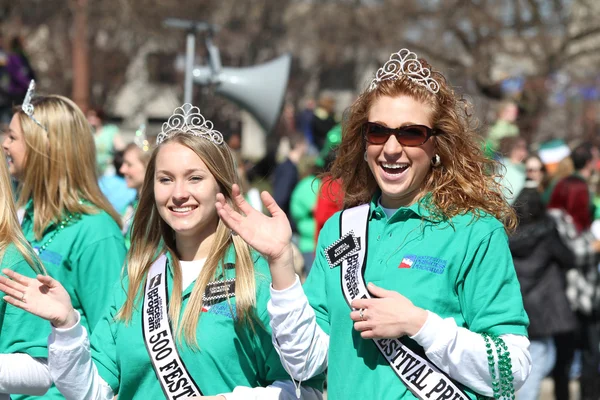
(188, 119)
(406, 63)
(28, 108)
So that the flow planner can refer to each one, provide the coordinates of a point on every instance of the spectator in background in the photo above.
(323, 120)
(514, 152)
(571, 194)
(503, 127)
(286, 176)
(5, 98)
(302, 210)
(541, 259)
(115, 188)
(107, 139)
(304, 122)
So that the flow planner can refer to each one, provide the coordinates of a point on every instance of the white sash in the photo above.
(170, 370)
(417, 373)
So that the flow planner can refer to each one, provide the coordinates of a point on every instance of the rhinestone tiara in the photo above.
(406, 63)
(28, 108)
(188, 119)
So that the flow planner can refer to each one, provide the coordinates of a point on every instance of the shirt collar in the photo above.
(422, 208)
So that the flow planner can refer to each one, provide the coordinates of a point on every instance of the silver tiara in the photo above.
(188, 119)
(140, 138)
(27, 107)
(406, 63)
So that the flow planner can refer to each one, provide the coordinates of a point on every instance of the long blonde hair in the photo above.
(152, 236)
(60, 164)
(10, 230)
(463, 183)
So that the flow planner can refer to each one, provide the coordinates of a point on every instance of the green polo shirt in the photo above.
(230, 354)
(460, 269)
(20, 331)
(86, 257)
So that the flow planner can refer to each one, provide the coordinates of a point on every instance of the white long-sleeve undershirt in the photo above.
(76, 377)
(303, 346)
(22, 374)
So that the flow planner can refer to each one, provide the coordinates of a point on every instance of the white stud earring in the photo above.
(365, 155)
(436, 161)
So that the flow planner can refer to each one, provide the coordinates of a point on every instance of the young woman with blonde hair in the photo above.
(63, 214)
(424, 223)
(23, 348)
(191, 318)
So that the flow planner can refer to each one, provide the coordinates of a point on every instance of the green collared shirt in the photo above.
(459, 268)
(230, 354)
(86, 257)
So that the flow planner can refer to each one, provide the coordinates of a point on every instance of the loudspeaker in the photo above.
(259, 89)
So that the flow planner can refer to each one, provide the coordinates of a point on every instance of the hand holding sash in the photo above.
(270, 236)
(44, 297)
(388, 315)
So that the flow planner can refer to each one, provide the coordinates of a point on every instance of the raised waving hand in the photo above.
(270, 236)
(43, 296)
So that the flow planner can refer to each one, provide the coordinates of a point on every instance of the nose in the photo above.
(123, 169)
(392, 147)
(180, 192)
(5, 143)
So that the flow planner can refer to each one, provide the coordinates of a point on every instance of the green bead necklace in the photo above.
(61, 225)
(502, 384)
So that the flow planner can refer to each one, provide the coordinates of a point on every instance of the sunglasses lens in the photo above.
(377, 134)
(413, 136)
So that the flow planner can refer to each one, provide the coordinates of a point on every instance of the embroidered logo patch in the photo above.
(424, 263)
(341, 249)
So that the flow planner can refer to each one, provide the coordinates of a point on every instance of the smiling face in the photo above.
(15, 148)
(185, 192)
(400, 171)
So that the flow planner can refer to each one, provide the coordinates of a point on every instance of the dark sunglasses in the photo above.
(410, 135)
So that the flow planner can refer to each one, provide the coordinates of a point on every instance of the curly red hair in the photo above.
(465, 180)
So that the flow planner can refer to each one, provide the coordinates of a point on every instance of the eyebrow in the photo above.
(401, 126)
(186, 172)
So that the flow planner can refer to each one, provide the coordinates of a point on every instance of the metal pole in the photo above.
(189, 66)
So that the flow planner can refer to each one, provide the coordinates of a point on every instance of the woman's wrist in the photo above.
(282, 270)
(68, 322)
(419, 317)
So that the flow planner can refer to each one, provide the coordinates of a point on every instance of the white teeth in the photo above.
(182, 209)
(394, 165)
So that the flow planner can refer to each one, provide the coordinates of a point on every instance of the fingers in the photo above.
(380, 292)
(48, 281)
(15, 276)
(239, 200)
(229, 216)
(361, 303)
(15, 302)
(9, 284)
(363, 326)
(359, 315)
(9, 287)
(270, 204)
